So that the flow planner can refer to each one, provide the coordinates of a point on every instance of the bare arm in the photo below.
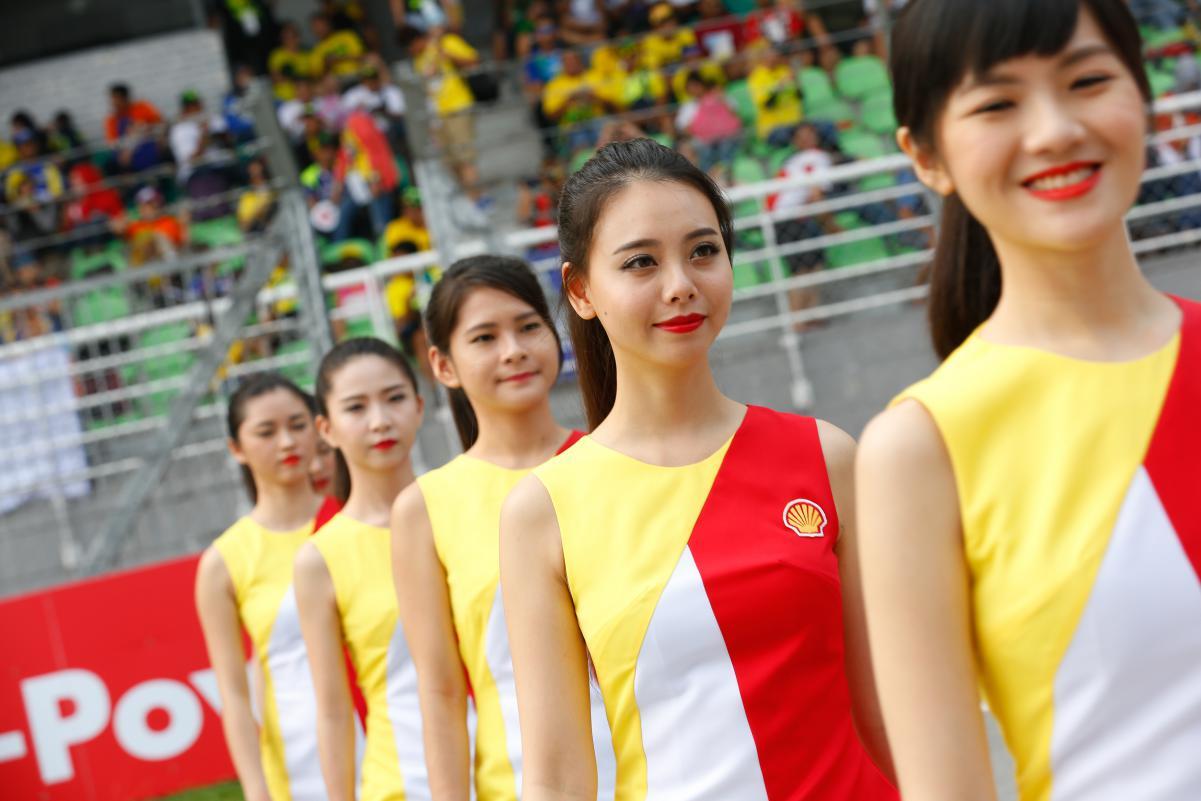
(915, 586)
(550, 662)
(218, 611)
(322, 629)
(425, 614)
(839, 450)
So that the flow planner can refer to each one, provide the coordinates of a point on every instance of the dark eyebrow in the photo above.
(299, 416)
(641, 243)
(1068, 60)
(490, 324)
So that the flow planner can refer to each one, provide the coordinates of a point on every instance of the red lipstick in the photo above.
(290, 461)
(1064, 182)
(384, 445)
(682, 324)
(519, 378)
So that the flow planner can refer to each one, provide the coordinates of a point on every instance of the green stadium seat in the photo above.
(101, 306)
(858, 252)
(861, 144)
(84, 264)
(860, 76)
(877, 114)
(300, 374)
(360, 249)
(165, 365)
(580, 159)
(739, 95)
(776, 159)
(218, 233)
(815, 85)
(833, 110)
(359, 327)
(748, 170)
(1162, 82)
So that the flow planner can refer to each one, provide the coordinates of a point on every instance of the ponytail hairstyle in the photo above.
(341, 355)
(935, 45)
(505, 273)
(250, 388)
(614, 167)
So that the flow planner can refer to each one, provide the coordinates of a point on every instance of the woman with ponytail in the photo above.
(1029, 512)
(244, 582)
(495, 348)
(686, 552)
(369, 413)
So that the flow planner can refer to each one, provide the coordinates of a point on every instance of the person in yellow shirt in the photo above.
(288, 63)
(695, 63)
(439, 56)
(777, 97)
(336, 52)
(667, 41)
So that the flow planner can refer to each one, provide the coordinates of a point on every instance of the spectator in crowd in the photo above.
(202, 156)
(424, 15)
(28, 218)
(328, 103)
(235, 111)
(22, 121)
(63, 137)
(155, 234)
(311, 127)
(46, 180)
(581, 22)
(256, 205)
(291, 111)
(336, 52)
(542, 54)
(132, 128)
(249, 30)
(366, 175)
(838, 23)
(777, 98)
(439, 57)
(8, 154)
(320, 185)
(708, 118)
(92, 206)
(571, 99)
(410, 226)
(34, 320)
(809, 161)
(718, 32)
(695, 63)
(775, 21)
(667, 41)
(288, 62)
(379, 97)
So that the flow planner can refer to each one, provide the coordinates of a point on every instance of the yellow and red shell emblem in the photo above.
(805, 518)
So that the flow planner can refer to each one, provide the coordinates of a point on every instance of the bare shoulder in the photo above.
(838, 447)
(527, 519)
(903, 440)
(309, 568)
(410, 518)
(212, 572)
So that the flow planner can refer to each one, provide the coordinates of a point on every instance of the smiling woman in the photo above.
(658, 555)
(1048, 466)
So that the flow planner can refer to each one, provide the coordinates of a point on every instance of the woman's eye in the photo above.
(355, 407)
(995, 106)
(1090, 80)
(638, 262)
(531, 326)
(483, 338)
(704, 250)
(399, 397)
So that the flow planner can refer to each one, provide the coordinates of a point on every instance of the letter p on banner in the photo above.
(53, 729)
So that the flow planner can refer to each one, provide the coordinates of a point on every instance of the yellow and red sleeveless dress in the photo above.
(359, 559)
(710, 601)
(259, 562)
(467, 539)
(1078, 486)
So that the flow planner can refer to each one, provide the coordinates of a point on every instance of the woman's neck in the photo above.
(517, 440)
(285, 507)
(1091, 304)
(668, 417)
(372, 493)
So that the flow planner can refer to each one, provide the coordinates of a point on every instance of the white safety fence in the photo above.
(873, 243)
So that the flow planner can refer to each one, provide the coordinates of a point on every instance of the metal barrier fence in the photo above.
(82, 410)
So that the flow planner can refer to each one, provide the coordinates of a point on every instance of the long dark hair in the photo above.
(614, 167)
(250, 388)
(338, 357)
(935, 44)
(505, 273)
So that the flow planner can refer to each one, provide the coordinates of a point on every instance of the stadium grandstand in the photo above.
(197, 191)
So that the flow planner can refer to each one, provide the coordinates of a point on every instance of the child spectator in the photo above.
(153, 229)
(46, 179)
(92, 206)
(667, 41)
(288, 62)
(131, 128)
(439, 56)
(812, 162)
(777, 98)
(339, 53)
(695, 63)
(257, 202)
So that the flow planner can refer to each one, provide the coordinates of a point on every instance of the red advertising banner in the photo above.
(105, 690)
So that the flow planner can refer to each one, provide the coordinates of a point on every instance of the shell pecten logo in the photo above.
(805, 518)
